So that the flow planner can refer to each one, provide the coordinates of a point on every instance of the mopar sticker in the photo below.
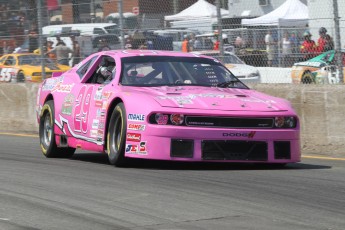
(136, 117)
(137, 127)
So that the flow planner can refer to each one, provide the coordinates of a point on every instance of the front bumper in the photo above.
(224, 145)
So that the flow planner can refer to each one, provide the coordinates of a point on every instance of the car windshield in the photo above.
(32, 60)
(172, 71)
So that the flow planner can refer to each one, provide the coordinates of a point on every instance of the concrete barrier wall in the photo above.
(321, 109)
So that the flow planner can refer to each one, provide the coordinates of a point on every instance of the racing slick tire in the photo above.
(116, 137)
(307, 78)
(47, 135)
(20, 76)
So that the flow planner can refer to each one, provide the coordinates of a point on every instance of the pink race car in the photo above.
(165, 106)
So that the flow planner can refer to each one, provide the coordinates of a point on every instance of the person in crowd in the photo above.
(103, 45)
(308, 47)
(6, 49)
(321, 41)
(197, 44)
(128, 42)
(294, 43)
(49, 48)
(185, 45)
(325, 41)
(329, 45)
(62, 52)
(76, 51)
(191, 42)
(270, 48)
(33, 38)
(286, 49)
(216, 43)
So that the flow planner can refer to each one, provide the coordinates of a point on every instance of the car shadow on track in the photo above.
(99, 158)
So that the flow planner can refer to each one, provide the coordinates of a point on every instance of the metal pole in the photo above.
(40, 42)
(175, 6)
(337, 41)
(220, 31)
(120, 4)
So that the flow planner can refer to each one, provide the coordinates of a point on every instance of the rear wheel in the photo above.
(20, 76)
(47, 135)
(307, 78)
(116, 137)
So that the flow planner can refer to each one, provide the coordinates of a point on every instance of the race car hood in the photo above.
(226, 99)
(241, 70)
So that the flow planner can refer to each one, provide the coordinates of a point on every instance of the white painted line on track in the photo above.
(19, 134)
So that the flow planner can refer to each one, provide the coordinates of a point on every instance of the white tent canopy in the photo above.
(200, 9)
(290, 13)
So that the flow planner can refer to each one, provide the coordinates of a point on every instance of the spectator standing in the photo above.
(103, 45)
(76, 51)
(62, 53)
(329, 43)
(185, 45)
(216, 43)
(49, 48)
(270, 48)
(308, 48)
(191, 42)
(286, 50)
(33, 38)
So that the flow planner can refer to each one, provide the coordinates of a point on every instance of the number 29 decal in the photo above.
(81, 111)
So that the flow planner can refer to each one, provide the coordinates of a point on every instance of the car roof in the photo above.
(133, 53)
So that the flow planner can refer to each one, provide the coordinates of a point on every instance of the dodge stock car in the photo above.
(163, 105)
(20, 67)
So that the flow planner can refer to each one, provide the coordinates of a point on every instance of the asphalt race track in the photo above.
(85, 192)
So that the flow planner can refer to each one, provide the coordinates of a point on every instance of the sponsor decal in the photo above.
(135, 117)
(200, 123)
(238, 134)
(106, 95)
(93, 133)
(67, 105)
(63, 88)
(136, 137)
(50, 83)
(188, 99)
(100, 113)
(95, 123)
(105, 105)
(137, 149)
(137, 127)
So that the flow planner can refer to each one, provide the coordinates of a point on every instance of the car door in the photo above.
(91, 102)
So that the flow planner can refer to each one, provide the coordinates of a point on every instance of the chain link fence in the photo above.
(279, 41)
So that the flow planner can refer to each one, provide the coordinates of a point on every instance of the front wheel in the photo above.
(47, 135)
(116, 137)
